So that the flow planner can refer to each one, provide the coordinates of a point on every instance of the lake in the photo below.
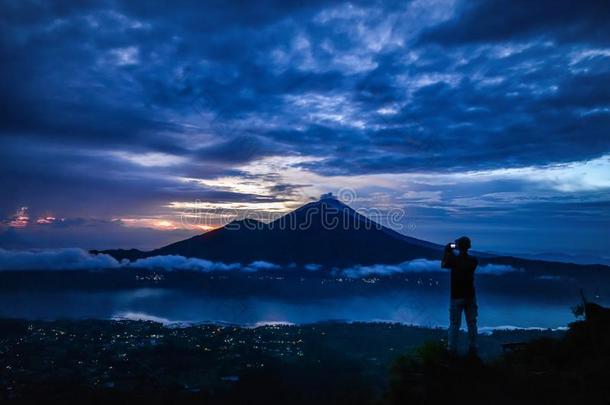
(176, 305)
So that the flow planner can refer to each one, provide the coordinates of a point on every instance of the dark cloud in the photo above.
(82, 183)
(464, 123)
(154, 79)
(491, 21)
(238, 149)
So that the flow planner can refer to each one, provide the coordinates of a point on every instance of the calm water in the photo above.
(166, 305)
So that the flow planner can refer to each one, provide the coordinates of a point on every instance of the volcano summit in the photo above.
(326, 231)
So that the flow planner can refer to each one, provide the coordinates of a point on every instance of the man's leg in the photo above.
(455, 321)
(471, 311)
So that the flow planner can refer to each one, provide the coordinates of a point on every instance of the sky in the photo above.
(137, 124)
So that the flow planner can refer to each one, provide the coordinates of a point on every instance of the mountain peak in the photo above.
(327, 232)
(328, 196)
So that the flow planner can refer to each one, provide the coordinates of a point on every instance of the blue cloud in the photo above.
(417, 266)
(561, 20)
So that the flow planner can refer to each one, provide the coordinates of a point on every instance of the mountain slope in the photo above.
(325, 232)
(330, 233)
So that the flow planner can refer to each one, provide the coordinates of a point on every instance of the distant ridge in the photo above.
(329, 233)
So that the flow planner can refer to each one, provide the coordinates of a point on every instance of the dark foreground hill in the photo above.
(570, 370)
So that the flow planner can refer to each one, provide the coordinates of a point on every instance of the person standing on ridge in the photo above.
(463, 297)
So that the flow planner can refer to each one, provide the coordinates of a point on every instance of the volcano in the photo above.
(326, 232)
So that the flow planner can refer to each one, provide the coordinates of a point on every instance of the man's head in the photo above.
(463, 244)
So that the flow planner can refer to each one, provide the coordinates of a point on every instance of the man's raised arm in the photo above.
(447, 257)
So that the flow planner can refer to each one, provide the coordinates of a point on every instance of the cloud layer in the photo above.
(78, 259)
(172, 262)
(418, 266)
(54, 259)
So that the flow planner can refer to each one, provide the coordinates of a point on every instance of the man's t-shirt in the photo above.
(462, 274)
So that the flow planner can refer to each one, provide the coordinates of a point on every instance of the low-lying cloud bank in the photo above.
(54, 259)
(170, 263)
(177, 263)
(417, 266)
(79, 259)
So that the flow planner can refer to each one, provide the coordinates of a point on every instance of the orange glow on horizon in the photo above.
(21, 219)
(45, 220)
(162, 224)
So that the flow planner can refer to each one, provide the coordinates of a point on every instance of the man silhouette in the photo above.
(463, 296)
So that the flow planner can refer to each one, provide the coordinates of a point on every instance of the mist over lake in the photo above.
(281, 296)
(172, 306)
